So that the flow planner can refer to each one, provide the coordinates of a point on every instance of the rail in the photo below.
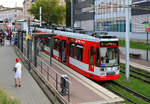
(139, 77)
(133, 92)
(128, 99)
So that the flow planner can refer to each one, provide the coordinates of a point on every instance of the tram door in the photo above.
(91, 61)
(63, 51)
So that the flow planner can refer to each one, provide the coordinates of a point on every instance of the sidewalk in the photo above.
(30, 92)
(137, 63)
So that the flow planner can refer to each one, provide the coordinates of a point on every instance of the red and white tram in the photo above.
(96, 58)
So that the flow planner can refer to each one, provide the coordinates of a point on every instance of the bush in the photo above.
(5, 99)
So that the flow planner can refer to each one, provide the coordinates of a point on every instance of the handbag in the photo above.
(14, 69)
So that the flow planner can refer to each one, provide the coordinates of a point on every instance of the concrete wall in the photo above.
(86, 24)
(138, 51)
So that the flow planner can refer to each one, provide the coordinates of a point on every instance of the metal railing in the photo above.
(55, 78)
(52, 77)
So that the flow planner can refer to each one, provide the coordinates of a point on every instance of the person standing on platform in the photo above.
(0, 39)
(17, 74)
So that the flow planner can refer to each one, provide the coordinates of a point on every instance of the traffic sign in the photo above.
(147, 27)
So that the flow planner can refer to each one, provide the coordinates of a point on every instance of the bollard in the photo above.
(64, 84)
(47, 73)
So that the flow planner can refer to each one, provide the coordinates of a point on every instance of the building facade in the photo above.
(110, 15)
(26, 5)
(83, 14)
(11, 14)
(140, 15)
(2, 7)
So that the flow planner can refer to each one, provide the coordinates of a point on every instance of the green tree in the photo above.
(52, 11)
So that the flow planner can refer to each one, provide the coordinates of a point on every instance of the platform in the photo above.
(30, 92)
(83, 90)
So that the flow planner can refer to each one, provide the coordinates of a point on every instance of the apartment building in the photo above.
(26, 5)
(11, 14)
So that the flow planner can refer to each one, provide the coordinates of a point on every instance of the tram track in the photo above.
(138, 77)
(141, 74)
(148, 82)
(131, 91)
(121, 95)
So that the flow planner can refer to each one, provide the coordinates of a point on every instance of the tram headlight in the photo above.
(114, 68)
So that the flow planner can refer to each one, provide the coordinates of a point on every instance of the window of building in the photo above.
(115, 26)
(79, 52)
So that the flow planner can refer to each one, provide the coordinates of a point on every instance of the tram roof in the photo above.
(81, 36)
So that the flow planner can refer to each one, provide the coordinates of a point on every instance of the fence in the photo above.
(54, 78)
(60, 83)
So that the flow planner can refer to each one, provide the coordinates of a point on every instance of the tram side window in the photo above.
(71, 52)
(97, 57)
(91, 55)
(79, 52)
(56, 44)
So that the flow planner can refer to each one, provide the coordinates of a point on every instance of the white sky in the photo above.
(11, 3)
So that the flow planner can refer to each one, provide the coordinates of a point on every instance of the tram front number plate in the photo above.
(110, 73)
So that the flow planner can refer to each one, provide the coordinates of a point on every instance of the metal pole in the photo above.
(127, 39)
(22, 41)
(30, 53)
(28, 49)
(41, 66)
(147, 46)
(56, 82)
(94, 16)
(68, 93)
(50, 50)
(35, 52)
(40, 16)
(72, 15)
(29, 46)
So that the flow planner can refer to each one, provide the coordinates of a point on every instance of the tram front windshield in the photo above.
(109, 56)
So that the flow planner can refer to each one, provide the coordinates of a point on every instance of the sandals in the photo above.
(16, 85)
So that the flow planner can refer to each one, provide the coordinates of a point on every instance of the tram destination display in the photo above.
(104, 44)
